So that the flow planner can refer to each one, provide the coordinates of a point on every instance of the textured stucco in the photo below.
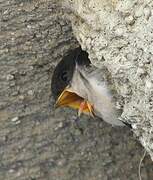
(37, 141)
(118, 34)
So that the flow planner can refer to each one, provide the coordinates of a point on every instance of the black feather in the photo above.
(63, 72)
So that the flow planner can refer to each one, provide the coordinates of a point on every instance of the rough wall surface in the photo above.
(118, 34)
(36, 141)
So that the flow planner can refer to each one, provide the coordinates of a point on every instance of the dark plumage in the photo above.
(63, 72)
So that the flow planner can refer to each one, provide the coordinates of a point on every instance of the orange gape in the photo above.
(85, 107)
(71, 99)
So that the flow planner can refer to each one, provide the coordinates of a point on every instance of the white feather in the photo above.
(92, 85)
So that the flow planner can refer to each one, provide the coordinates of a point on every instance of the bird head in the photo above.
(71, 97)
(68, 82)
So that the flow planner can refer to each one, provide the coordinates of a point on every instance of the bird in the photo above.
(78, 84)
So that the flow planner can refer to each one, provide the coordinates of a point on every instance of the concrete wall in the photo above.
(38, 142)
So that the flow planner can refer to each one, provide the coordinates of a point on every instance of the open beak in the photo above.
(71, 99)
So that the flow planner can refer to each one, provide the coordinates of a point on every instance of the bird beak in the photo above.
(71, 99)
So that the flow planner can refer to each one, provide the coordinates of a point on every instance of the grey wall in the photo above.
(36, 141)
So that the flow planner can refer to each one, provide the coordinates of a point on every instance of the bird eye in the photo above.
(64, 76)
